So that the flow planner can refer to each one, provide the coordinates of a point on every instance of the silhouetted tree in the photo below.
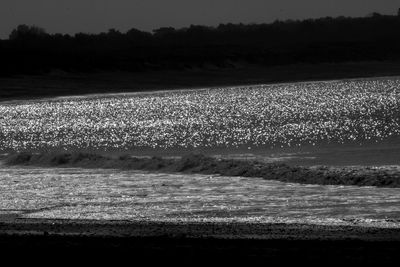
(163, 31)
(27, 32)
(375, 14)
(29, 49)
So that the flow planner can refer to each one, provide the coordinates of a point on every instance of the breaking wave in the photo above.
(197, 163)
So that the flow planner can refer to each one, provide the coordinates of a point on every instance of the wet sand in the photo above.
(149, 241)
(203, 230)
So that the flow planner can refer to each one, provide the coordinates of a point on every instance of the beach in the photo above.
(314, 179)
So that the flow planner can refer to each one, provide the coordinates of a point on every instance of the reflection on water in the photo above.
(289, 115)
(134, 195)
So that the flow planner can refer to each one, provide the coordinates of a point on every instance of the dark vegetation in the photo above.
(195, 163)
(30, 50)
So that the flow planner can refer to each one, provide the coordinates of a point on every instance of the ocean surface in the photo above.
(353, 122)
(276, 116)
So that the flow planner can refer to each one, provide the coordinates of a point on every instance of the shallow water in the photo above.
(135, 195)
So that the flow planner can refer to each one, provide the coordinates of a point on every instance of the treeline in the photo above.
(30, 50)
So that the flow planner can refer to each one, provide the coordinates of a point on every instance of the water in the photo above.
(335, 123)
(266, 116)
(134, 195)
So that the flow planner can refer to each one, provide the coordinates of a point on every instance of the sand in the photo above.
(161, 242)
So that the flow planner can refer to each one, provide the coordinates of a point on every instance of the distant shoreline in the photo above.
(59, 84)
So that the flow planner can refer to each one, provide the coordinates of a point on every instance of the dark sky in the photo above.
(71, 16)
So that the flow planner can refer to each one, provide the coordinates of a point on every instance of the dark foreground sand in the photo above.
(159, 241)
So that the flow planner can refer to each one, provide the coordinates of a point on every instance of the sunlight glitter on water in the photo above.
(286, 115)
(134, 195)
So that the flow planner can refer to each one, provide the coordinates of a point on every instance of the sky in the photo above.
(94, 16)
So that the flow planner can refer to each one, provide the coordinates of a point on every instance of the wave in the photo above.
(197, 163)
